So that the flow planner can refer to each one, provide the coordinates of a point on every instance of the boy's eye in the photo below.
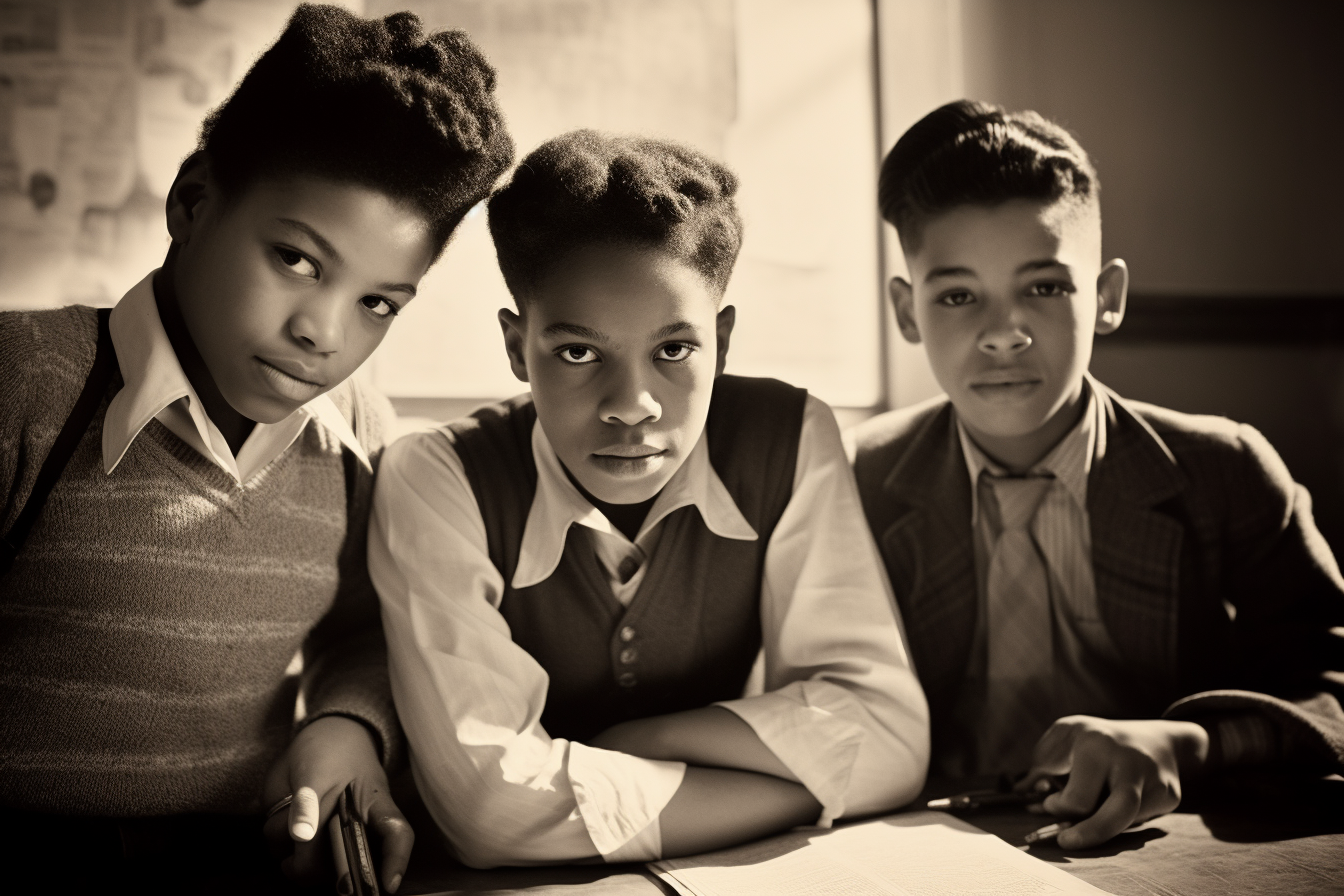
(296, 262)
(380, 306)
(956, 299)
(577, 354)
(1051, 289)
(677, 351)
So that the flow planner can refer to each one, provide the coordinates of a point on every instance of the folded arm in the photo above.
(1284, 704)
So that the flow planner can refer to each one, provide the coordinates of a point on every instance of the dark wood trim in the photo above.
(1268, 320)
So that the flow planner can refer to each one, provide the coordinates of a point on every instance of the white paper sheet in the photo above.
(912, 854)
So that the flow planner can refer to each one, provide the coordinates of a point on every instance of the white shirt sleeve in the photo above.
(470, 699)
(842, 709)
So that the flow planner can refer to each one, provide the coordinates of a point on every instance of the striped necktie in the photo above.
(1019, 697)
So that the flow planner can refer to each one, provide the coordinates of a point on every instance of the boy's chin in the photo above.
(625, 482)
(263, 409)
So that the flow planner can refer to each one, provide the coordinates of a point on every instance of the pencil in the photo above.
(983, 799)
(1049, 832)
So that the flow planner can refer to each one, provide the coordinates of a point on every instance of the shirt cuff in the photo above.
(1240, 740)
(620, 798)
(808, 726)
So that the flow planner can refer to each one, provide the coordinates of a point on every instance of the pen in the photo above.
(981, 799)
(1049, 832)
(358, 856)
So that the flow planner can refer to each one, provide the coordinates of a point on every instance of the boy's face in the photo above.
(289, 287)
(621, 346)
(1006, 299)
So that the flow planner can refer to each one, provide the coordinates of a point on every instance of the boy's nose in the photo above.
(1007, 339)
(631, 404)
(317, 325)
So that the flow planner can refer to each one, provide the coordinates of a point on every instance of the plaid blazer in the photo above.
(1212, 579)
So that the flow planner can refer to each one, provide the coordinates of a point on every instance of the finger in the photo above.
(397, 838)
(1116, 814)
(1052, 755)
(312, 861)
(344, 883)
(305, 813)
(1086, 780)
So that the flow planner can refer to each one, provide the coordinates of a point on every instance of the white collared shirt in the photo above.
(1086, 658)
(157, 388)
(841, 707)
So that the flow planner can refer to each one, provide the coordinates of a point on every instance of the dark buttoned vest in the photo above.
(692, 631)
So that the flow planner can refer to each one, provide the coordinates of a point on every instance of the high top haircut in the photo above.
(367, 101)
(972, 153)
(586, 187)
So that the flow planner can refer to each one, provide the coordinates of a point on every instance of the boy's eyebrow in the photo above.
(1041, 264)
(326, 247)
(574, 330)
(672, 329)
(948, 271)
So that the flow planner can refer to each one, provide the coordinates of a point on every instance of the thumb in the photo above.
(304, 814)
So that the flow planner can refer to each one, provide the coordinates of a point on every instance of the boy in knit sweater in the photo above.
(210, 523)
(576, 583)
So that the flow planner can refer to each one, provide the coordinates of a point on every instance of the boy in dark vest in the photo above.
(211, 488)
(1092, 587)
(576, 583)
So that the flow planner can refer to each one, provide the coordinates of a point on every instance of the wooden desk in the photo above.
(1256, 835)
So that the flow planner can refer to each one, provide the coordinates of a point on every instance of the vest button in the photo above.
(628, 633)
(627, 569)
(627, 680)
(629, 655)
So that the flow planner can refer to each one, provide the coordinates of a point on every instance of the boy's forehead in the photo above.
(1008, 234)
(619, 285)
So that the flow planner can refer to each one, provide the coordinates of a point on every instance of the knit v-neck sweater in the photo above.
(148, 626)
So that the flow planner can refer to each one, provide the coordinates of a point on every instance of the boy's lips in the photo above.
(633, 461)
(1005, 385)
(289, 379)
(628, 451)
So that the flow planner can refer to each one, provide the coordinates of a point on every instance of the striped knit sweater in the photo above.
(147, 626)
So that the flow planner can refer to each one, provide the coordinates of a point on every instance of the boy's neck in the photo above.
(627, 518)
(1018, 454)
(232, 425)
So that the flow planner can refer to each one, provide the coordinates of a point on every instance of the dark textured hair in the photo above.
(586, 187)
(971, 153)
(367, 101)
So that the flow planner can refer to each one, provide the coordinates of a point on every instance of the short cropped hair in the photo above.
(374, 102)
(587, 187)
(972, 153)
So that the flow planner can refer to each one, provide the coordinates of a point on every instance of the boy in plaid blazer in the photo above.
(1091, 586)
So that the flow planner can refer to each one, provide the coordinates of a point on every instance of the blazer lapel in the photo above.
(1136, 548)
(929, 552)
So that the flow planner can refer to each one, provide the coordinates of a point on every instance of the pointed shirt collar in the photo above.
(557, 505)
(154, 380)
(1069, 462)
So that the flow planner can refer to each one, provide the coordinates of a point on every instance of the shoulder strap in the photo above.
(95, 387)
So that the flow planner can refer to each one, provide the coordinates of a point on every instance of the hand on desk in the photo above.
(1140, 763)
(324, 757)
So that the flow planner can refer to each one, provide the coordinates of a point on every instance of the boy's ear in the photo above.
(903, 301)
(189, 190)
(723, 327)
(515, 329)
(1112, 293)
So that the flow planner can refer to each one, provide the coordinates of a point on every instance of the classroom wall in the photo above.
(1215, 126)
